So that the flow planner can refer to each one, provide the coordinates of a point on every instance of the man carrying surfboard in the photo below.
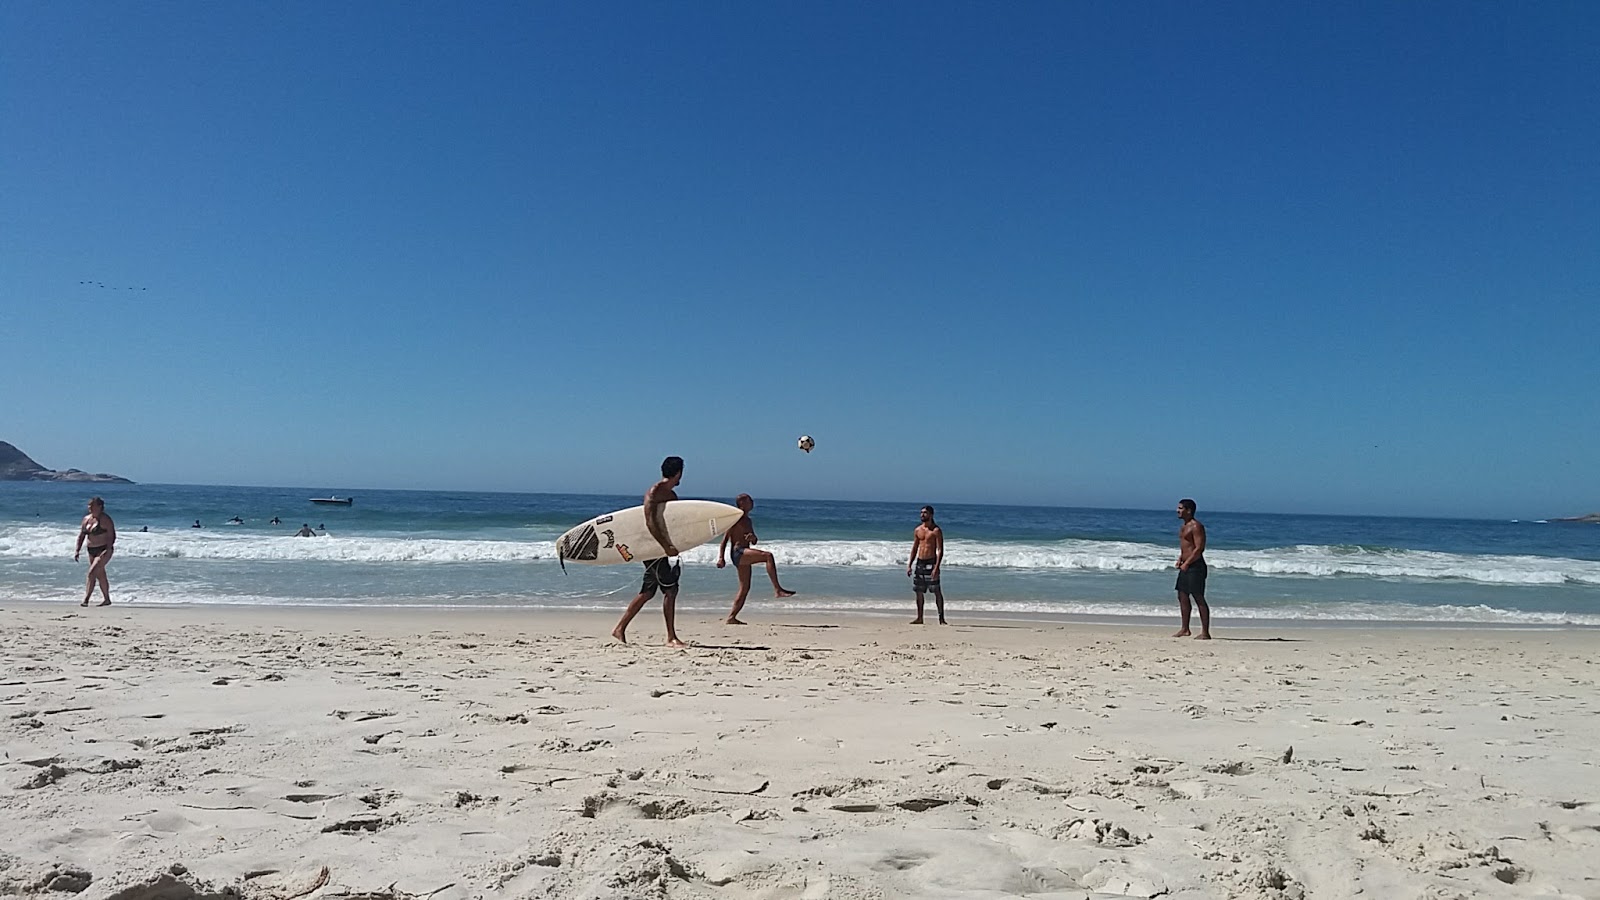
(662, 573)
(742, 535)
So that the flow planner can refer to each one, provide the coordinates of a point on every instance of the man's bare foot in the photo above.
(732, 621)
(85, 602)
(917, 621)
(783, 593)
(674, 642)
(1183, 633)
(1203, 636)
(620, 635)
(103, 603)
(943, 622)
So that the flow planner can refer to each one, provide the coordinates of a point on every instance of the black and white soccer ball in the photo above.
(806, 443)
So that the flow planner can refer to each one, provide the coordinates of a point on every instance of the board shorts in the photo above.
(660, 573)
(922, 577)
(1193, 579)
(734, 554)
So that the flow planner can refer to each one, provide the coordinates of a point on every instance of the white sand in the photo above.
(477, 754)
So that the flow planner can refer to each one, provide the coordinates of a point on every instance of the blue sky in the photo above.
(1278, 257)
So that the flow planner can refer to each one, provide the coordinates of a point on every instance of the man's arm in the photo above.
(938, 559)
(655, 523)
(916, 541)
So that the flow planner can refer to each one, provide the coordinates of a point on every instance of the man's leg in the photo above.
(1205, 618)
(938, 598)
(778, 590)
(744, 591)
(1183, 610)
(621, 631)
(918, 619)
(669, 609)
(754, 557)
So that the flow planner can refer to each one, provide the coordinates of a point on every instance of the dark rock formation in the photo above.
(1591, 517)
(17, 466)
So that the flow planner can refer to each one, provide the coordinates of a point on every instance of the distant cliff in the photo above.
(18, 466)
(1591, 517)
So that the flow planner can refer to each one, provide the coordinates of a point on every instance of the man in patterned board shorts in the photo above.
(659, 574)
(927, 556)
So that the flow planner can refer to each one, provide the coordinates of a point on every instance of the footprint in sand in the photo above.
(361, 824)
(609, 804)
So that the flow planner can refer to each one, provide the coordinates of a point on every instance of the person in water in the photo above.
(99, 534)
(305, 531)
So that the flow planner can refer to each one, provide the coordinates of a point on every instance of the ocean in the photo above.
(457, 549)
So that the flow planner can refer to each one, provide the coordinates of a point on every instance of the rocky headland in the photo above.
(1591, 517)
(18, 466)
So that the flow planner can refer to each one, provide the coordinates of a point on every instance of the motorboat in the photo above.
(334, 501)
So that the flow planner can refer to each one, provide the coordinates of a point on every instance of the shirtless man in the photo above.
(1192, 570)
(659, 573)
(742, 536)
(927, 556)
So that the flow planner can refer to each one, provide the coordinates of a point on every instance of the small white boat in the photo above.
(341, 501)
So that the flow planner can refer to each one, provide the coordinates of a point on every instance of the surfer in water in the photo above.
(742, 536)
(1192, 570)
(660, 573)
(927, 556)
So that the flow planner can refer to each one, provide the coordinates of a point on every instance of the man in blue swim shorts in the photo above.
(741, 536)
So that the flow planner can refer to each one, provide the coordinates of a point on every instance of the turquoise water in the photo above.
(412, 548)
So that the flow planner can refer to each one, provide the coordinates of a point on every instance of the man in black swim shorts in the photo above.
(662, 573)
(1192, 570)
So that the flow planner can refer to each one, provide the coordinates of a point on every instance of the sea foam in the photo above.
(1070, 556)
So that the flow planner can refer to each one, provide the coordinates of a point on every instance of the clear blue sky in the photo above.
(1275, 256)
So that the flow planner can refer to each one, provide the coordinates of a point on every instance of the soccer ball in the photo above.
(806, 443)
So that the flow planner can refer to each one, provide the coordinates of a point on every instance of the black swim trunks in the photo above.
(660, 573)
(922, 577)
(1192, 580)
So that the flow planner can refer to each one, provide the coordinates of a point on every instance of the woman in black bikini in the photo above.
(101, 534)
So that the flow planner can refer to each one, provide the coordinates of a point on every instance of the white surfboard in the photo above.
(621, 536)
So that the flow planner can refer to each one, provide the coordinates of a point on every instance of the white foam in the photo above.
(1107, 557)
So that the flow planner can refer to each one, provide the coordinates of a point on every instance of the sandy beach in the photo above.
(277, 753)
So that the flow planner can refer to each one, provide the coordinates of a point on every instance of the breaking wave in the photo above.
(1079, 556)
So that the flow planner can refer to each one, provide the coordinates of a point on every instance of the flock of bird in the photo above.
(113, 287)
